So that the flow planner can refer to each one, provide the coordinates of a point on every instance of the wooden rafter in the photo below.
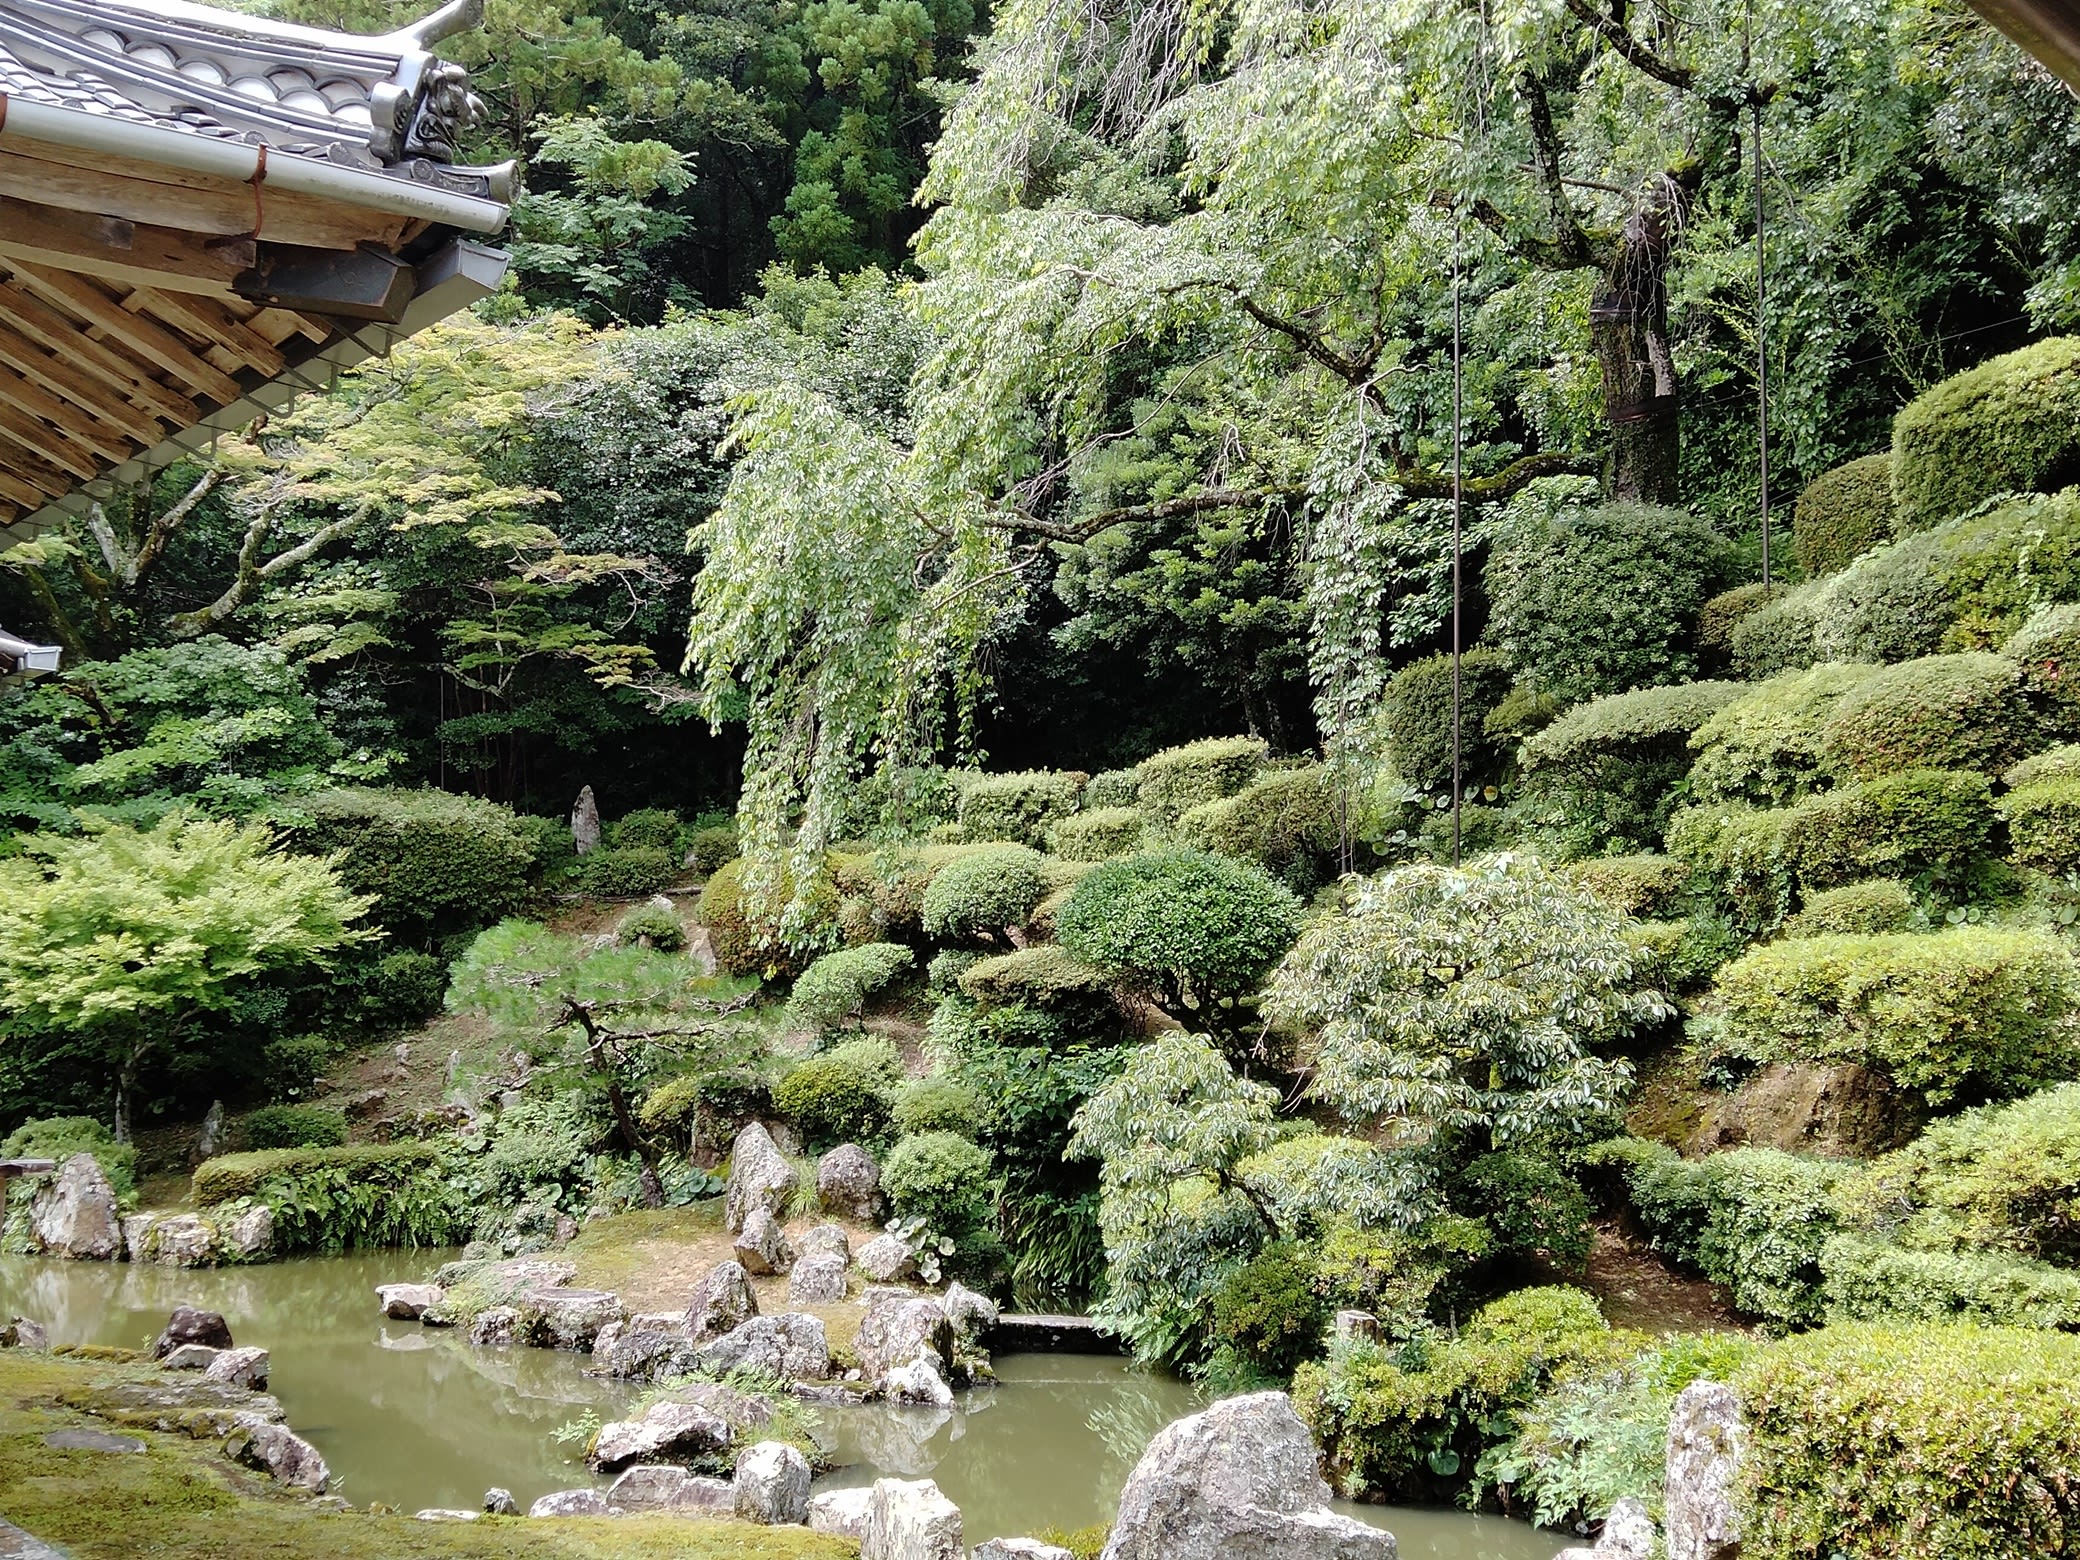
(61, 378)
(157, 347)
(132, 253)
(212, 323)
(47, 446)
(88, 430)
(129, 379)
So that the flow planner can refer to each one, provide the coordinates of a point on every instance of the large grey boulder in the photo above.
(1706, 1438)
(826, 1240)
(646, 1347)
(911, 1521)
(495, 1327)
(572, 1503)
(721, 1302)
(762, 1245)
(918, 1383)
(1020, 1549)
(772, 1485)
(759, 1177)
(663, 1430)
(887, 1259)
(668, 1487)
(1239, 1481)
(848, 1184)
(565, 1318)
(190, 1325)
(896, 1331)
(74, 1213)
(791, 1345)
(238, 1368)
(972, 1314)
(250, 1236)
(179, 1240)
(1628, 1534)
(585, 830)
(817, 1281)
(285, 1454)
(842, 1512)
(406, 1302)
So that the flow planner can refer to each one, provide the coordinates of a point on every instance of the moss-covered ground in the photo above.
(180, 1499)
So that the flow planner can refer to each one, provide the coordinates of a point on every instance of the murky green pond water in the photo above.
(415, 1417)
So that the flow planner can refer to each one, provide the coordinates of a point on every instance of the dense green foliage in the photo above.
(60, 1137)
(832, 991)
(1842, 514)
(293, 1126)
(433, 862)
(2005, 426)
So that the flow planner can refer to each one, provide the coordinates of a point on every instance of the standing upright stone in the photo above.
(211, 1138)
(759, 1177)
(848, 1183)
(585, 822)
(911, 1521)
(721, 1302)
(1705, 1442)
(75, 1214)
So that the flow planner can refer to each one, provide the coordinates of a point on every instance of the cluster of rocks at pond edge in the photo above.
(73, 1213)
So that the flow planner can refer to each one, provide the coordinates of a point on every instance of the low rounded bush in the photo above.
(939, 1105)
(1981, 1433)
(60, 1137)
(1603, 600)
(1876, 1281)
(291, 1064)
(651, 925)
(437, 863)
(948, 965)
(1112, 788)
(293, 1126)
(2059, 763)
(1099, 834)
(626, 871)
(2044, 825)
(1903, 825)
(1854, 909)
(402, 989)
(1778, 636)
(943, 1179)
(1718, 618)
(656, 828)
(2047, 648)
(1891, 604)
(1604, 776)
(710, 845)
(1843, 513)
(1417, 718)
(1939, 712)
(1019, 807)
(1271, 1311)
(1285, 820)
(1638, 885)
(1767, 747)
(983, 894)
(1045, 975)
(832, 991)
(1198, 929)
(1969, 1011)
(2012, 424)
(1172, 782)
(1683, 956)
(747, 940)
(729, 1095)
(843, 1095)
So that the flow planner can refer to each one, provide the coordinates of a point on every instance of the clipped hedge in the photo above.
(1044, 976)
(1417, 718)
(626, 871)
(1638, 885)
(1768, 746)
(2059, 763)
(338, 1199)
(1018, 807)
(1174, 781)
(1971, 1010)
(293, 1126)
(2012, 424)
(1874, 1281)
(1854, 909)
(2047, 648)
(746, 940)
(436, 862)
(842, 1096)
(836, 987)
(654, 827)
(1779, 636)
(1112, 788)
(1874, 1443)
(2044, 825)
(1891, 604)
(1718, 618)
(1939, 712)
(983, 894)
(1842, 513)
(1285, 821)
(1606, 774)
(1098, 835)
(1897, 826)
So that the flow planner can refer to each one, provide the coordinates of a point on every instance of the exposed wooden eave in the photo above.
(2048, 29)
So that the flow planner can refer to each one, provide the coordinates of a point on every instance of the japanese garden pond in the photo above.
(415, 1417)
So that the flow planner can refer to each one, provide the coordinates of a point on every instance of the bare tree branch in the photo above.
(1612, 30)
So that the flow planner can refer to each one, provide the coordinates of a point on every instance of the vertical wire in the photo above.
(1761, 345)
(1458, 391)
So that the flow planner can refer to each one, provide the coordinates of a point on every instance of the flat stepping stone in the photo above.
(17, 1545)
(92, 1441)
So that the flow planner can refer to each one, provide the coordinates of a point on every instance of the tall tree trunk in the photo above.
(1628, 328)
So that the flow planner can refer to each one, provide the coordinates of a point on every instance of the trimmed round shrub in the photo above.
(1891, 604)
(549, 843)
(729, 1095)
(2047, 648)
(1605, 600)
(948, 965)
(1900, 825)
(843, 1095)
(1285, 821)
(711, 845)
(2044, 825)
(1767, 746)
(437, 863)
(1098, 835)
(1639, 885)
(1172, 782)
(625, 871)
(938, 1105)
(1112, 788)
(60, 1137)
(1854, 909)
(981, 895)
(1778, 636)
(653, 925)
(654, 827)
(1196, 928)
(1417, 718)
(833, 990)
(1719, 617)
(1045, 975)
(747, 941)
(1940, 712)
(2059, 763)
(2010, 425)
(1843, 513)
(1981, 1433)
(1019, 807)
(1271, 1310)
(294, 1126)
(291, 1064)
(1971, 1010)
(943, 1179)
(402, 989)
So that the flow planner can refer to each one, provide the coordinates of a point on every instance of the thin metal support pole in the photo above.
(1761, 342)
(1458, 443)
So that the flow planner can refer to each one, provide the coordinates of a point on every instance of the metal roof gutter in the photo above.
(242, 163)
